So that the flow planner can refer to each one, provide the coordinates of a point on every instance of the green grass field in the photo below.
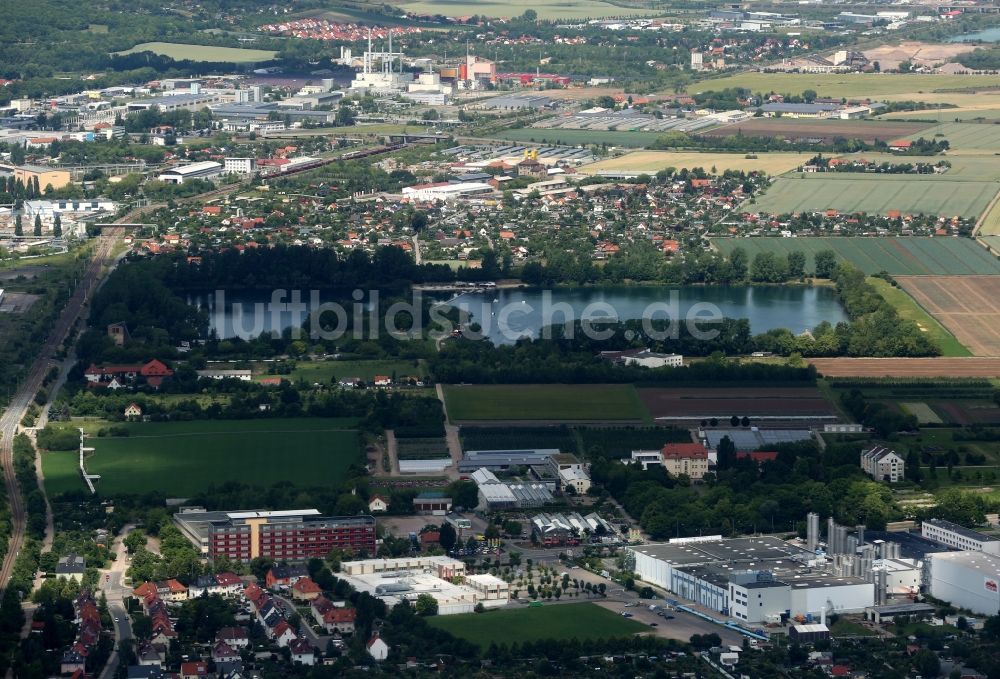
(908, 308)
(966, 136)
(184, 458)
(181, 51)
(945, 115)
(910, 194)
(969, 168)
(324, 372)
(62, 472)
(845, 84)
(581, 137)
(552, 621)
(551, 402)
(914, 255)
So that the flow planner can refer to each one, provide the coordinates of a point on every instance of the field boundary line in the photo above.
(982, 217)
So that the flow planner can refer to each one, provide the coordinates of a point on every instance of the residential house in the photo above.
(235, 637)
(223, 652)
(284, 575)
(378, 504)
(305, 589)
(302, 652)
(71, 567)
(133, 412)
(197, 669)
(333, 618)
(377, 649)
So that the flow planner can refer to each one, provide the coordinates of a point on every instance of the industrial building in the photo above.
(754, 580)
(568, 528)
(500, 460)
(204, 170)
(496, 494)
(959, 537)
(288, 535)
(45, 176)
(755, 438)
(446, 191)
(444, 578)
(969, 580)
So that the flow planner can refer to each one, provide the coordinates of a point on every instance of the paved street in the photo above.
(114, 588)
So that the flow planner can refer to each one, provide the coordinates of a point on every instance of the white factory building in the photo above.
(444, 578)
(182, 173)
(958, 537)
(752, 579)
(446, 191)
(969, 580)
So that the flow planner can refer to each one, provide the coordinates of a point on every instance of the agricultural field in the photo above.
(910, 310)
(989, 225)
(969, 306)
(975, 138)
(948, 401)
(547, 9)
(179, 51)
(892, 86)
(827, 130)
(654, 161)
(963, 168)
(581, 137)
(722, 403)
(908, 367)
(543, 402)
(905, 256)
(877, 194)
(993, 242)
(181, 459)
(422, 449)
(553, 621)
(613, 441)
(949, 115)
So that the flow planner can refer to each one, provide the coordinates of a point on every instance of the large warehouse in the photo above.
(754, 580)
(969, 580)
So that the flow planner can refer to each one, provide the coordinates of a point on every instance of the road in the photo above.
(11, 418)
(112, 584)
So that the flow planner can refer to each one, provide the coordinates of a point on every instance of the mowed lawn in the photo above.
(62, 472)
(909, 194)
(654, 161)
(326, 372)
(555, 402)
(180, 51)
(184, 458)
(908, 308)
(551, 621)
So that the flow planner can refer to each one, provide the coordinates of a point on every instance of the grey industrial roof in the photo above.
(962, 530)
(752, 439)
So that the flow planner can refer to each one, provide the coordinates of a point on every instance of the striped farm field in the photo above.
(965, 136)
(654, 161)
(969, 306)
(909, 194)
(907, 256)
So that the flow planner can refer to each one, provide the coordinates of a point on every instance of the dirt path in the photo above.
(450, 435)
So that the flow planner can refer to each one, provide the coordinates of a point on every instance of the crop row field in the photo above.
(912, 255)
(974, 168)
(654, 161)
(878, 194)
(181, 459)
(969, 306)
(543, 402)
(896, 86)
(966, 137)
(827, 130)
(910, 310)
(180, 51)
(581, 137)
(908, 367)
(546, 9)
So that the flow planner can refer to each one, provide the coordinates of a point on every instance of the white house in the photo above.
(377, 504)
(239, 165)
(883, 464)
(377, 649)
(302, 652)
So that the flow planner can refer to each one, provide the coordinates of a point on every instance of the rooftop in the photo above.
(962, 530)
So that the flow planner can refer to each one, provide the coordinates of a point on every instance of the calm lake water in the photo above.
(507, 315)
(987, 35)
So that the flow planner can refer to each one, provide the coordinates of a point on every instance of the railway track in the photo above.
(14, 413)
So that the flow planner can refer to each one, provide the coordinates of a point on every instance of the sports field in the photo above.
(180, 459)
(907, 256)
(181, 51)
(910, 194)
(654, 161)
(969, 306)
(545, 402)
(827, 130)
(979, 138)
(910, 310)
(848, 84)
(581, 137)
(546, 9)
(326, 372)
(62, 472)
(551, 621)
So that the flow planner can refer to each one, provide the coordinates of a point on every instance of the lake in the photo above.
(986, 35)
(506, 315)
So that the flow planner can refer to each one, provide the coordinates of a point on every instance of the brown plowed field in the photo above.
(827, 130)
(724, 403)
(969, 306)
(908, 367)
